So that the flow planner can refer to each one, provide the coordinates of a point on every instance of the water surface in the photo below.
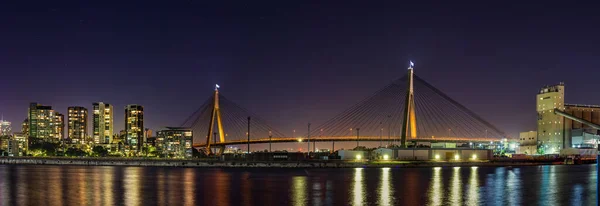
(107, 185)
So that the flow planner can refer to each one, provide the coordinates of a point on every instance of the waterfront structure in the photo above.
(44, 123)
(103, 127)
(175, 142)
(134, 127)
(77, 128)
(528, 143)
(5, 127)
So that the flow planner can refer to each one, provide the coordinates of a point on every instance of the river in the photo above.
(110, 185)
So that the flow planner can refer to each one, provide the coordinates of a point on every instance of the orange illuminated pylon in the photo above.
(216, 113)
(409, 126)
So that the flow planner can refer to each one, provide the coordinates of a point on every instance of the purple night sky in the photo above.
(292, 63)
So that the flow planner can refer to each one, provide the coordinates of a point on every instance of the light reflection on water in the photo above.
(107, 186)
(358, 187)
(473, 194)
(385, 187)
(132, 185)
(455, 195)
(435, 190)
(188, 186)
(299, 190)
(513, 186)
(4, 193)
(317, 193)
(73, 185)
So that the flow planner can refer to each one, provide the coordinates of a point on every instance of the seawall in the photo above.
(220, 164)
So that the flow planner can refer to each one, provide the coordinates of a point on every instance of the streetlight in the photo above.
(380, 137)
(248, 133)
(389, 129)
(357, 135)
(308, 140)
(270, 139)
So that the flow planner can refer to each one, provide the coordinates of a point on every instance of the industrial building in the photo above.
(561, 125)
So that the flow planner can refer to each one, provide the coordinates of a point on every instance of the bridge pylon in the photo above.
(409, 126)
(215, 114)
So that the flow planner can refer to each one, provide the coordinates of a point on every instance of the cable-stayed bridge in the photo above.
(406, 111)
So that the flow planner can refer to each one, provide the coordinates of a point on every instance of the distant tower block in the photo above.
(216, 112)
(409, 126)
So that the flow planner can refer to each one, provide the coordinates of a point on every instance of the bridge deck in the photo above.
(351, 139)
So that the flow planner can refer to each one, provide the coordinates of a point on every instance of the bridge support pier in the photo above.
(216, 114)
(332, 146)
(409, 126)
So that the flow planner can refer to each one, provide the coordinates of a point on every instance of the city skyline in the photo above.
(491, 61)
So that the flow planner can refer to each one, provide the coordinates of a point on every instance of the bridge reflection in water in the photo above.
(74, 185)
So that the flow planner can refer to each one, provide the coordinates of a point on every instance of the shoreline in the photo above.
(254, 164)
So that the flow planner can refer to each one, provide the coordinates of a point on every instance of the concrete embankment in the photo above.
(279, 164)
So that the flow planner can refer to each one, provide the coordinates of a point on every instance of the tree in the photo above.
(43, 149)
(99, 151)
(148, 150)
(541, 150)
(75, 152)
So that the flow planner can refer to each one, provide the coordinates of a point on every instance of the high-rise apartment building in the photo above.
(59, 126)
(44, 123)
(134, 126)
(77, 124)
(103, 123)
(5, 128)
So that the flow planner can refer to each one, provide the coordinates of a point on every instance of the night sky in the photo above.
(292, 63)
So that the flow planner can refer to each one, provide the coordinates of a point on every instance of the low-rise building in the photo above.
(15, 148)
(175, 142)
(357, 155)
(23, 142)
(383, 154)
(528, 143)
